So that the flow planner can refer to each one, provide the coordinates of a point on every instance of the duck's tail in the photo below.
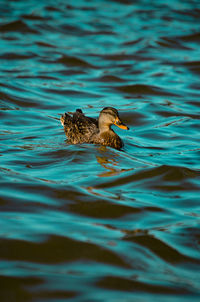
(68, 119)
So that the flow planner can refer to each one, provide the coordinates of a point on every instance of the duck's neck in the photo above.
(104, 127)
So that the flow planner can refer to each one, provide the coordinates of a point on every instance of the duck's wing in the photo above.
(79, 128)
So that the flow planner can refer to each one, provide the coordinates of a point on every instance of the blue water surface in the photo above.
(87, 222)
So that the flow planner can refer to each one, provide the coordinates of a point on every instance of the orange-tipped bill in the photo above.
(119, 124)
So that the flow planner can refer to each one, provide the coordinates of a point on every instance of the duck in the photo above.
(81, 129)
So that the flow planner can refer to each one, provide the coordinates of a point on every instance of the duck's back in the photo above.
(79, 128)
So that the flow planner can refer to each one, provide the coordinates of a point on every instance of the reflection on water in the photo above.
(86, 222)
(109, 163)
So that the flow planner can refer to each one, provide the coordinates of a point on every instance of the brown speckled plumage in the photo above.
(82, 129)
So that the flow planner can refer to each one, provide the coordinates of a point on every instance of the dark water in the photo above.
(82, 222)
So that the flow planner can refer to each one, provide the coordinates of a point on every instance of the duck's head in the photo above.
(110, 116)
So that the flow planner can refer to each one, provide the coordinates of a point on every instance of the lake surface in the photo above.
(85, 222)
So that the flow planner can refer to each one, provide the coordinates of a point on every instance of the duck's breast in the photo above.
(111, 139)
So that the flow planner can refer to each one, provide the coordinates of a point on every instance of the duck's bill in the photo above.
(119, 124)
(122, 126)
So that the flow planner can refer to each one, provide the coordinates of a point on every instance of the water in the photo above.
(83, 222)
